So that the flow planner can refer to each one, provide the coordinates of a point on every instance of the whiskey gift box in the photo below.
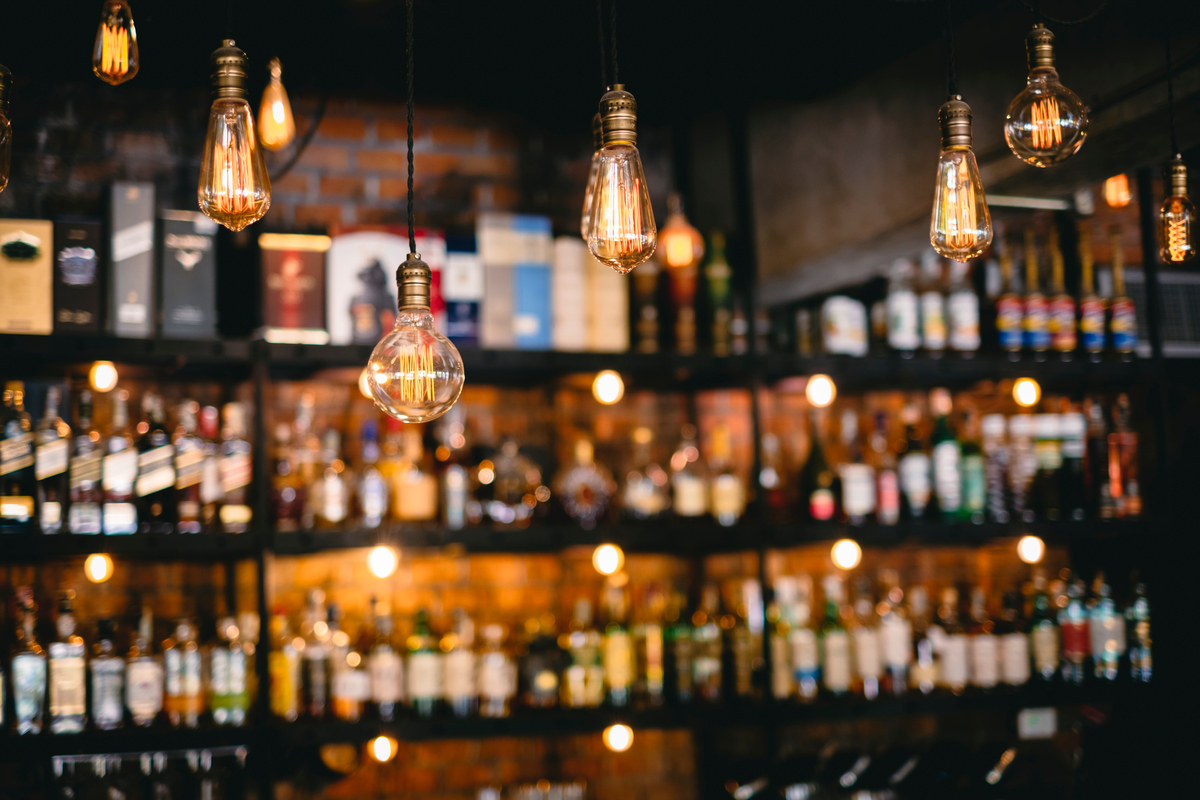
(78, 274)
(188, 274)
(26, 276)
(293, 270)
(131, 310)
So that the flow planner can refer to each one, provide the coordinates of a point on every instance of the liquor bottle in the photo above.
(87, 493)
(1014, 641)
(18, 480)
(718, 285)
(517, 479)
(678, 651)
(895, 636)
(330, 495)
(283, 667)
(1060, 318)
(1107, 629)
(1023, 465)
(645, 493)
(385, 666)
(1101, 503)
(1123, 462)
(289, 494)
(541, 664)
(887, 480)
(155, 469)
(350, 682)
(774, 482)
(923, 674)
(903, 310)
(1072, 491)
(974, 476)
(1047, 446)
(962, 312)
(996, 458)
(933, 306)
(52, 441)
(211, 494)
(237, 470)
(460, 684)
(707, 677)
(28, 664)
(1036, 320)
(857, 477)
(497, 675)
(779, 625)
(108, 679)
(583, 679)
(803, 644)
(817, 478)
(914, 471)
(189, 469)
(1076, 638)
(746, 641)
(689, 481)
(67, 671)
(371, 490)
(649, 687)
(1124, 323)
(314, 658)
(584, 488)
(451, 456)
(1043, 632)
(837, 668)
(618, 649)
(1092, 308)
(954, 664)
(866, 644)
(231, 670)
(727, 491)
(1137, 620)
(414, 487)
(143, 675)
(645, 304)
(120, 471)
(984, 644)
(183, 669)
(423, 676)
(947, 464)
(1010, 311)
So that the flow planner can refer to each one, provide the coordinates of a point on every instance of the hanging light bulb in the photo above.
(235, 189)
(115, 56)
(682, 244)
(1046, 123)
(597, 144)
(276, 126)
(1177, 217)
(1116, 191)
(961, 228)
(621, 231)
(5, 127)
(415, 374)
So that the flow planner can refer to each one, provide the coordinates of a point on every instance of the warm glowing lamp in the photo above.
(98, 567)
(608, 387)
(820, 391)
(618, 737)
(961, 228)
(115, 54)
(382, 561)
(276, 126)
(1116, 191)
(1177, 217)
(1027, 392)
(1031, 549)
(1046, 123)
(846, 554)
(102, 376)
(679, 243)
(383, 749)
(608, 559)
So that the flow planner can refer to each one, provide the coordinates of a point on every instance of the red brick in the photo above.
(428, 164)
(469, 776)
(342, 186)
(454, 136)
(321, 216)
(396, 130)
(489, 166)
(382, 160)
(499, 570)
(325, 156)
(292, 183)
(380, 216)
(342, 128)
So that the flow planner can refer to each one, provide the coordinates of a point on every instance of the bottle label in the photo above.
(108, 686)
(144, 689)
(690, 495)
(985, 660)
(974, 486)
(1076, 639)
(858, 490)
(887, 497)
(903, 320)
(497, 677)
(16, 452)
(84, 518)
(387, 677)
(29, 686)
(210, 481)
(189, 467)
(947, 478)
(416, 496)
(868, 660)
(183, 672)
(821, 504)
(68, 685)
(335, 499)
(120, 518)
(351, 685)
(1091, 324)
(895, 633)
(706, 670)
(50, 516)
(995, 475)
(52, 459)
(235, 515)
(1014, 659)
(156, 470)
(424, 676)
(120, 472)
(963, 310)
(236, 469)
(1124, 325)
(618, 660)
(1044, 639)
(933, 320)
(85, 470)
(806, 663)
(915, 481)
(836, 675)
(460, 673)
(372, 495)
(728, 496)
(1010, 315)
(1061, 324)
(1036, 323)
(954, 661)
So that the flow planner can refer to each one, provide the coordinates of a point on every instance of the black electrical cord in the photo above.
(1036, 7)
(603, 51)
(612, 47)
(304, 141)
(1170, 93)
(951, 67)
(412, 231)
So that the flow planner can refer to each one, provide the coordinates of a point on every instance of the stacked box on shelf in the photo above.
(516, 251)
(78, 275)
(607, 308)
(462, 288)
(132, 295)
(26, 274)
(188, 277)
(569, 286)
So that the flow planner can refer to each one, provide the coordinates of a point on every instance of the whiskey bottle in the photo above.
(836, 661)
(183, 670)
(1137, 621)
(962, 312)
(689, 480)
(189, 469)
(802, 641)
(583, 679)
(1072, 490)
(283, 668)
(460, 684)
(996, 462)
(1092, 308)
(649, 687)
(330, 495)
(727, 492)
(584, 488)
(1107, 629)
(155, 485)
(1123, 463)
(1014, 642)
(1061, 308)
(706, 638)
(314, 658)
(865, 642)
(903, 310)
(51, 460)
(212, 497)
(289, 494)
(67, 671)
(817, 478)
(718, 284)
(1101, 503)
(1043, 632)
(679, 650)
(974, 478)
(618, 649)
(914, 471)
(1047, 446)
(237, 469)
(120, 471)
(746, 641)
(540, 664)
(774, 481)
(1010, 311)
(895, 636)
(947, 465)
(645, 493)
(230, 673)
(933, 306)
(1035, 323)
(28, 664)
(954, 662)
(887, 479)
(1124, 324)
(18, 480)
(1022, 466)
(415, 490)
(143, 675)
(1076, 637)
(371, 491)
(350, 682)
(454, 480)
(497, 675)
(87, 493)
(857, 477)
(984, 644)
(424, 669)
(108, 679)
(386, 667)
(923, 673)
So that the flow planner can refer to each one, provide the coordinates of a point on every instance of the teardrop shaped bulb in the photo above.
(276, 125)
(115, 54)
(961, 228)
(1176, 222)
(235, 189)
(621, 232)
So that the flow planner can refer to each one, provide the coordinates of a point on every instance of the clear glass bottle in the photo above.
(914, 470)
(453, 477)
(707, 674)
(689, 479)
(183, 669)
(315, 658)
(18, 480)
(51, 459)
(974, 471)
(947, 465)
(330, 494)
(283, 667)
(923, 673)
(984, 644)
(86, 489)
(646, 492)
(350, 682)
(423, 673)
(385, 666)
(618, 656)
(837, 671)
(212, 497)
(887, 478)
(189, 469)
(996, 462)
(415, 488)
(371, 491)
(817, 496)
(1107, 629)
(28, 664)
(67, 671)
(497, 675)
(515, 478)
(230, 673)
(678, 650)
(933, 306)
(903, 310)
(857, 476)
(584, 488)
(802, 640)
(962, 311)
(237, 470)
(540, 665)
(865, 642)
(144, 675)
(746, 641)
(107, 679)
(727, 490)
(461, 680)
(120, 471)
(156, 469)
(895, 635)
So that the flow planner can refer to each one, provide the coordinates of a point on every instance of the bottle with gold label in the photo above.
(746, 640)
(330, 495)
(414, 487)
(156, 469)
(648, 640)
(183, 672)
(727, 491)
(706, 646)
(189, 469)
(52, 456)
(86, 490)
(17, 476)
(144, 675)
(28, 664)
(1043, 632)
(646, 492)
(497, 675)
(385, 665)
(120, 471)
(618, 655)
(460, 679)
(68, 672)
(583, 679)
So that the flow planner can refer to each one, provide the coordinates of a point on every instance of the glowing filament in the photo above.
(417, 375)
(1046, 130)
(1178, 248)
(961, 233)
(114, 57)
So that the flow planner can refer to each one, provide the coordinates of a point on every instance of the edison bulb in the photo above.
(961, 228)
(618, 737)
(820, 391)
(235, 189)
(608, 559)
(276, 126)
(1031, 549)
(681, 245)
(115, 55)
(5, 127)
(1177, 217)
(1046, 123)
(98, 567)
(383, 748)
(103, 376)
(1116, 191)
(382, 561)
(597, 144)
(846, 554)
(1026, 392)
(621, 229)
(607, 387)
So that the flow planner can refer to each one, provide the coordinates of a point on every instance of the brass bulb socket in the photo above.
(618, 116)
(6, 79)
(229, 70)
(1039, 47)
(412, 282)
(1177, 177)
(954, 119)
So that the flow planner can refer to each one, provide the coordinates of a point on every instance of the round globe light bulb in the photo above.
(1027, 392)
(1046, 123)
(383, 749)
(618, 737)
(382, 561)
(820, 391)
(846, 554)
(103, 376)
(1031, 549)
(608, 388)
(415, 373)
(98, 567)
(608, 559)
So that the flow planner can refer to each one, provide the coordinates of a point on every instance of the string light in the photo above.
(608, 388)
(1031, 549)
(382, 561)
(1026, 392)
(846, 554)
(820, 391)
